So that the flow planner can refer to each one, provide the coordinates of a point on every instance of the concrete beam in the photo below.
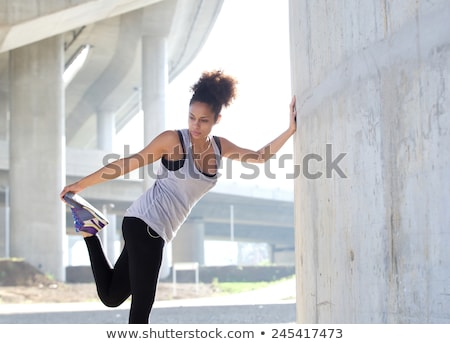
(33, 21)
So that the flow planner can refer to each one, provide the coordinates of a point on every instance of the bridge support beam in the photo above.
(37, 155)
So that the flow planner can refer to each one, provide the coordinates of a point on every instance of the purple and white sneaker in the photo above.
(85, 216)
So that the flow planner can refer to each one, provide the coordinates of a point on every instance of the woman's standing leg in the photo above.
(145, 251)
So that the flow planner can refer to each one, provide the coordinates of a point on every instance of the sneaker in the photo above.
(85, 216)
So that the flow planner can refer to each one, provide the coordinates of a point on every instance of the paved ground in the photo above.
(275, 304)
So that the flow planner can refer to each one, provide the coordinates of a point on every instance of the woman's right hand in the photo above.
(75, 188)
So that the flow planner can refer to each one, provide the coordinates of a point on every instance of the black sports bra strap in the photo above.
(218, 144)
(180, 137)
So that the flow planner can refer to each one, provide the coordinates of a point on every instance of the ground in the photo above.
(21, 283)
(62, 292)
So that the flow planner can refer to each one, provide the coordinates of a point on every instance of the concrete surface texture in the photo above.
(371, 79)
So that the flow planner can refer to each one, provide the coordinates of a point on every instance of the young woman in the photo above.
(189, 162)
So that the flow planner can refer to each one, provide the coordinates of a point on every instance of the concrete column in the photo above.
(188, 245)
(106, 130)
(155, 79)
(371, 79)
(109, 236)
(4, 115)
(154, 87)
(3, 233)
(37, 155)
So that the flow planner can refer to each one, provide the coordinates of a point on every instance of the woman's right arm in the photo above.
(151, 153)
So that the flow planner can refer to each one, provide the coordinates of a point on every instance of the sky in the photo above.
(250, 40)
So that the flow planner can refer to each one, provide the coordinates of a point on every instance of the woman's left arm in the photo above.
(232, 151)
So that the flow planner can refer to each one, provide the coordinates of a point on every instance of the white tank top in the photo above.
(168, 202)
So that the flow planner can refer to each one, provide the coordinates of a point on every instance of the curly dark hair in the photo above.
(215, 89)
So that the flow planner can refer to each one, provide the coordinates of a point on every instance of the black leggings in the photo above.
(135, 272)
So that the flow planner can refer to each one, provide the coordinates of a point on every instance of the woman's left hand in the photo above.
(293, 115)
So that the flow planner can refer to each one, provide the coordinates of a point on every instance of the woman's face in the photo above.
(201, 120)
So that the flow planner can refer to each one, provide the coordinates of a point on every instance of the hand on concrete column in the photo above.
(293, 116)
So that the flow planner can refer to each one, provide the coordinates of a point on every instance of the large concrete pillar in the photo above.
(109, 237)
(106, 130)
(155, 79)
(37, 164)
(372, 80)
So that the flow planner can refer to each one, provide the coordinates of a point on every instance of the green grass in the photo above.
(240, 287)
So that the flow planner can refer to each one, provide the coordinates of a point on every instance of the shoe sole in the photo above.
(86, 217)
